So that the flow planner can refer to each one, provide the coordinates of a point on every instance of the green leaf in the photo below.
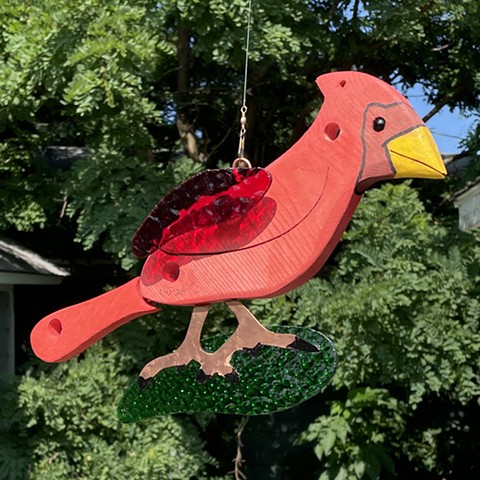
(327, 442)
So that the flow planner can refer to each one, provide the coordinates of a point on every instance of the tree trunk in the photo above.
(183, 120)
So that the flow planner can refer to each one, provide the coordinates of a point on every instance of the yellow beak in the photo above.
(415, 155)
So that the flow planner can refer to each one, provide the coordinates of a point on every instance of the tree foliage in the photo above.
(150, 93)
(61, 422)
(402, 308)
(135, 81)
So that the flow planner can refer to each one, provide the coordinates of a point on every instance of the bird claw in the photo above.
(233, 377)
(144, 382)
(253, 351)
(303, 345)
(202, 377)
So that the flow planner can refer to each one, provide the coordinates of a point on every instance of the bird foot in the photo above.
(210, 364)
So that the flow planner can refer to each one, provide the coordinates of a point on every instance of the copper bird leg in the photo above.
(189, 350)
(249, 335)
(251, 331)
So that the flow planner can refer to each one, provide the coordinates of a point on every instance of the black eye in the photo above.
(379, 124)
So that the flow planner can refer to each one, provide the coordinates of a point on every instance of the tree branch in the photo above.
(239, 475)
(356, 6)
(183, 58)
(439, 105)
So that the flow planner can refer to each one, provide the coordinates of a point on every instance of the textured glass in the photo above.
(271, 379)
(204, 200)
(226, 236)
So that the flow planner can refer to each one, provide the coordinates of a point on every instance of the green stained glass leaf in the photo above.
(271, 379)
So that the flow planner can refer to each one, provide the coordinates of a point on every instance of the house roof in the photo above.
(457, 162)
(468, 187)
(19, 265)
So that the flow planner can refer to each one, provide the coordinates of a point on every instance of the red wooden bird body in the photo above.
(365, 132)
(316, 187)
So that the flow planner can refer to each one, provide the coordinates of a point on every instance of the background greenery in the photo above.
(151, 92)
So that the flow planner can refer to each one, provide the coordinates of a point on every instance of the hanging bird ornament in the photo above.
(243, 233)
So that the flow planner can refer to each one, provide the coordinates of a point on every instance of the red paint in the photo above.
(64, 334)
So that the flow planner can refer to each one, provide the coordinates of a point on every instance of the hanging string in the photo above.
(243, 109)
(247, 51)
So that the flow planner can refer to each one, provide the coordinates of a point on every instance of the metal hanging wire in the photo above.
(243, 109)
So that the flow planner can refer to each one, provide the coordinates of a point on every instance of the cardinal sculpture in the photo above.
(228, 236)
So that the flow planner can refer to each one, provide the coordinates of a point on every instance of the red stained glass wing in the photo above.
(202, 202)
(225, 236)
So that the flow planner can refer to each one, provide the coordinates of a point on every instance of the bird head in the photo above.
(395, 143)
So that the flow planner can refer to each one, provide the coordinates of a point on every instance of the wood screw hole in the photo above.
(55, 326)
(171, 271)
(332, 131)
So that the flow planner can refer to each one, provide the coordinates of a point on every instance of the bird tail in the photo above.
(68, 332)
